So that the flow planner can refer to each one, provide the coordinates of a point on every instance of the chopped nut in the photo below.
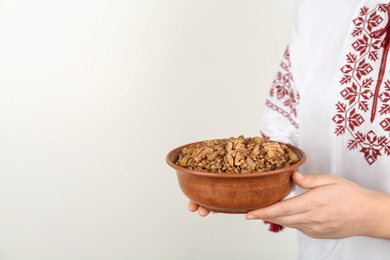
(183, 161)
(239, 159)
(229, 160)
(271, 153)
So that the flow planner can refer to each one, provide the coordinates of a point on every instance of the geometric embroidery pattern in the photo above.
(360, 94)
(283, 97)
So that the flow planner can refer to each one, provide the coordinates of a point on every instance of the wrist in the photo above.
(377, 215)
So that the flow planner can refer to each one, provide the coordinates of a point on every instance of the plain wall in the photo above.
(94, 94)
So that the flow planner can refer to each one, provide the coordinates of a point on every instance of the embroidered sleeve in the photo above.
(279, 117)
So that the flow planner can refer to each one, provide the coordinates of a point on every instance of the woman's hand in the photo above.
(203, 212)
(331, 208)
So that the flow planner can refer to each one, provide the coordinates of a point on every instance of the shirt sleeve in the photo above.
(279, 120)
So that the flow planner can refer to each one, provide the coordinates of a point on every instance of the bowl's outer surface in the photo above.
(235, 192)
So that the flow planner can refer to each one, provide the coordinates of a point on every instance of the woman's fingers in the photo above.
(310, 181)
(296, 205)
(203, 212)
(192, 206)
(288, 207)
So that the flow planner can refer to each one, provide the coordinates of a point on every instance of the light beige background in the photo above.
(94, 94)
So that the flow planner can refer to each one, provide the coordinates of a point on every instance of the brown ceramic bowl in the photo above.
(235, 192)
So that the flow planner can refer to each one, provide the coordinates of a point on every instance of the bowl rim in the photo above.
(293, 167)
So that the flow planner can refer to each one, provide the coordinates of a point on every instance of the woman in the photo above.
(331, 98)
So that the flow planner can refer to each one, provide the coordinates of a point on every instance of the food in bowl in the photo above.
(236, 191)
(236, 155)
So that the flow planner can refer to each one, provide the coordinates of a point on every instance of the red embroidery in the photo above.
(361, 95)
(283, 97)
(385, 45)
(266, 137)
(282, 112)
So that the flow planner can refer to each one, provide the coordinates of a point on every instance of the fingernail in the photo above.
(250, 216)
(299, 176)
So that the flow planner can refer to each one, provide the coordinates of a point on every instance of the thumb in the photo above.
(310, 181)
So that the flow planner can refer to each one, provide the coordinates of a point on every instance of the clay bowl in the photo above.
(234, 192)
